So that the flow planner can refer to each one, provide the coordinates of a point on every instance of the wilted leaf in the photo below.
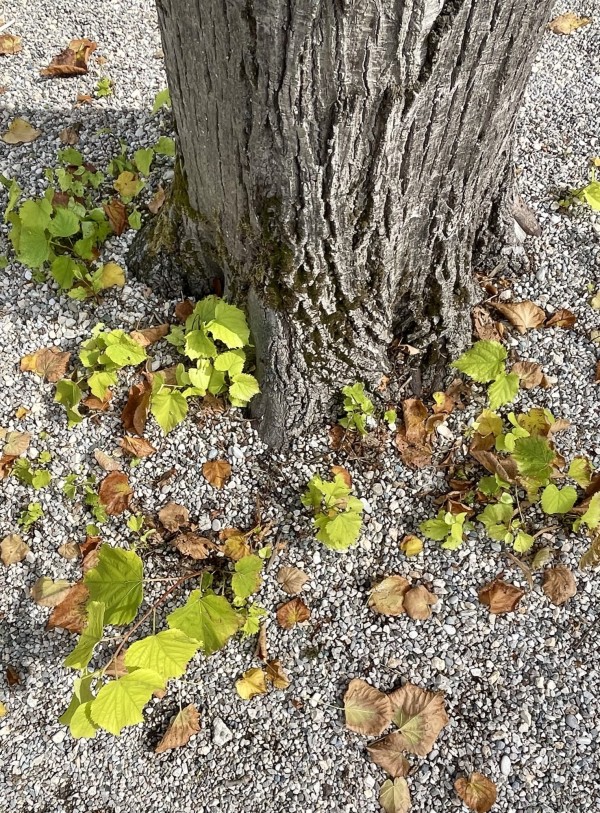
(16, 443)
(13, 549)
(477, 792)
(98, 404)
(128, 184)
(157, 200)
(597, 373)
(251, 683)
(343, 473)
(115, 493)
(116, 213)
(192, 545)
(292, 580)
(418, 601)
(562, 318)
(591, 558)
(12, 676)
(3, 709)
(71, 614)
(184, 309)
(70, 135)
(69, 550)
(20, 132)
(173, 516)
(530, 374)
(10, 44)
(49, 593)
(276, 675)
(567, 23)
(183, 726)
(420, 715)
(216, 472)
(83, 98)
(394, 797)
(105, 461)
(505, 467)
(236, 547)
(49, 362)
(291, 613)
(136, 447)
(542, 557)
(559, 584)
(89, 552)
(72, 61)
(522, 315)
(411, 545)
(368, 711)
(150, 335)
(500, 596)
(388, 754)
(261, 643)
(387, 597)
(486, 329)
(525, 217)
(135, 414)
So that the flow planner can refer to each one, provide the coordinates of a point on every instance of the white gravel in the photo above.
(522, 690)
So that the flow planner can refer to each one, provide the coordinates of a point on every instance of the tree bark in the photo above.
(344, 161)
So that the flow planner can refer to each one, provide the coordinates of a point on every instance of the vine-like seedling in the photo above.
(358, 408)
(447, 528)
(337, 513)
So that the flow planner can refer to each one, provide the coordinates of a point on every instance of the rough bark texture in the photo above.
(344, 160)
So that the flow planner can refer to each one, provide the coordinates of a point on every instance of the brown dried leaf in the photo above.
(49, 593)
(567, 23)
(71, 614)
(73, 61)
(181, 729)
(173, 516)
(292, 580)
(525, 217)
(20, 132)
(562, 318)
(192, 545)
(183, 309)
(150, 335)
(136, 447)
(368, 711)
(115, 493)
(13, 549)
(261, 643)
(591, 558)
(291, 613)
(276, 675)
(414, 414)
(500, 596)
(418, 601)
(90, 552)
(388, 754)
(93, 403)
(6, 464)
(10, 44)
(420, 715)
(83, 98)
(12, 676)
(216, 472)
(49, 362)
(69, 550)
(486, 328)
(530, 374)
(343, 473)
(116, 212)
(16, 443)
(236, 547)
(105, 461)
(522, 315)
(70, 135)
(135, 414)
(559, 584)
(477, 792)
(505, 468)
(597, 373)
(387, 597)
(394, 797)
(157, 200)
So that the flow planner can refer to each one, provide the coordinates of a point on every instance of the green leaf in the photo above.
(165, 146)
(523, 542)
(341, 531)
(117, 581)
(208, 619)
(503, 390)
(167, 653)
(162, 99)
(64, 270)
(100, 381)
(533, 456)
(143, 159)
(77, 715)
(69, 395)
(581, 470)
(436, 529)
(200, 375)
(496, 519)
(242, 389)
(169, 408)
(229, 326)
(34, 248)
(246, 579)
(70, 156)
(125, 351)
(231, 362)
(558, 501)
(591, 518)
(120, 702)
(482, 362)
(199, 345)
(251, 625)
(91, 635)
(35, 214)
(65, 223)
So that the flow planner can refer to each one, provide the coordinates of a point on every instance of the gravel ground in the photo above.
(522, 690)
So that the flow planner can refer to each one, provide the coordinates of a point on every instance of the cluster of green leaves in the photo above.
(447, 528)
(30, 515)
(204, 623)
(358, 408)
(104, 87)
(36, 476)
(337, 512)
(484, 363)
(86, 490)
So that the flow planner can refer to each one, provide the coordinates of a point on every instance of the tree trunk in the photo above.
(344, 160)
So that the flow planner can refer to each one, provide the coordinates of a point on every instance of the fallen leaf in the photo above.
(157, 200)
(16, 443)
(216, 472)
(525, 217)
(70, 135)
(12, 676)
(3, 709)
(192, 545)
(562, 318)
(136, 447)
(49, 362)
(90, 552)
(368, 711)
(522, 315)
(105, 461)
(387, 597)
(20, 132)
(135, 413)
(500, 596)
(486, 328)
(10, 44)
(394, 797)
(49, 593)
(149, 335)
(477, 792)
(73, 61)
(181, 729)
(116, 213)
(71, 613)
(343, 473)
(69, 550)
(13, 549)
(93, 403)
(261, 643)
(420, 715)
(115, 493)
(411, 545)
(83, 98)
(6, 464)
(173, 516)
(291, 613)
(184, 309)
(251, 683)
(418, 601)
(236, 547)
(559, 584)
(567, 23)
(505, 468)
(276, 675)
(412, 438)
(388, 754)
(530, 374)
(292, 580)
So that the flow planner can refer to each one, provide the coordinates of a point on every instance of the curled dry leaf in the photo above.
(251, 683)
(394, 797)
(13, 549)
(105, 461)
(20, 132)
(343, 473)
(136, 447)
(597, 373)
(388, 754)
(12, 676)
(157, 200)
(262, 650)
(149, 335)
(420, 716)
(173, 516)
(562, 318)
(216, 472)
(181, 729)
(73, 61)
(192, 545)
(90, 552)
(418, 602)
(16, 443)
(236, 547)
(505, 468)
(93, 403)
(69, 550)
(116, 212)
(115, 493)
(525, 217)
(559, 584)
(71, 614)
(49, 593)
(486, 328)
(70, 135)
(135, 413)
(500, 596)
(184, 309)
(477, 792)
(49, 362)
(411, 545)
(387, 597)
(291, 613)
(522, 315)
(412, 438)
(530, 374)
(567, 23)
(368, 711)
(10, 44)
(276, 675)
(291, 580)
